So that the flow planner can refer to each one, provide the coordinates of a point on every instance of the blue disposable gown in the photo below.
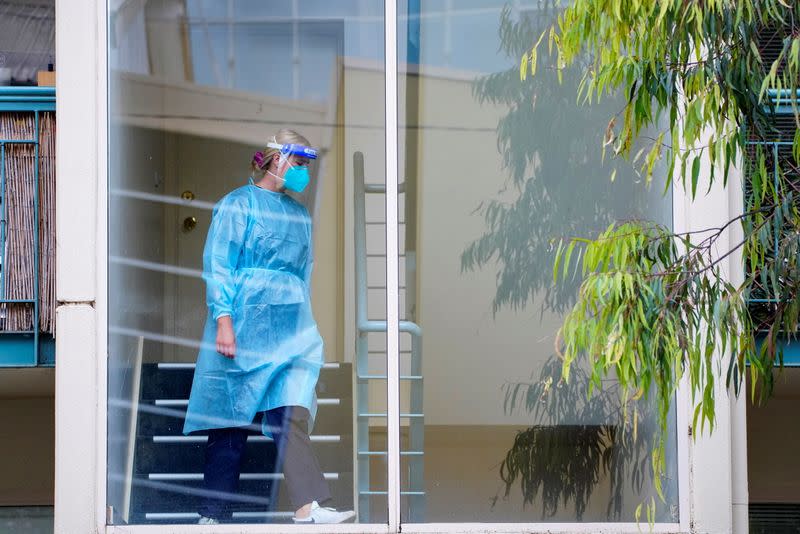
(257, 268)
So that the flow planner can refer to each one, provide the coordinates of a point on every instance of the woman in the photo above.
(261, 352)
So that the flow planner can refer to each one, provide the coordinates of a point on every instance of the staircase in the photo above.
(167, 484)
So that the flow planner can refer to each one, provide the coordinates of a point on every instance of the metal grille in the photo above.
(774, 518)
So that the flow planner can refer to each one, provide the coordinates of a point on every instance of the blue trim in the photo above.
(47, 350)
(412, 37)
(27, 91)
(25, 349)
(27, 98)
(791, 351)
(17, 350)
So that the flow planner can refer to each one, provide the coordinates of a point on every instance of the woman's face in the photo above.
(283, 164)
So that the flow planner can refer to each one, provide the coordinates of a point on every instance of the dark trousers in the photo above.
(295, 458)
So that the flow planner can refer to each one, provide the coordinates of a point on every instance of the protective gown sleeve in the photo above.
(221, 254)
(309, 266)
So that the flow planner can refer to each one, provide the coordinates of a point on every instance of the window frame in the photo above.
(82, 401)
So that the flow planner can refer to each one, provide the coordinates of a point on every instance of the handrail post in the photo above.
(364, 326)
(361, 466)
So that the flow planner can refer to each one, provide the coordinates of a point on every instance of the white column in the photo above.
(392, 290)
(714, 463)
(80, 171)
(738, 414)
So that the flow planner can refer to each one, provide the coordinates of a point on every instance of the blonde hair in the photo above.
(283, 137)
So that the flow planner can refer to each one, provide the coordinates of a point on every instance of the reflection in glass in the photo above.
(495, 170)
(197, 88)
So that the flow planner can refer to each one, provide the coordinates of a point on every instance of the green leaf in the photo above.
(523, 68)
(695, 174)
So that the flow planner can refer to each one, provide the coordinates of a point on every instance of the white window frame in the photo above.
(82, 50)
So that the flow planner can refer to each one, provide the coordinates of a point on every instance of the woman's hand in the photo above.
(226, 343)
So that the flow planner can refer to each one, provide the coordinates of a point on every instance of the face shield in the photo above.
(296, 177)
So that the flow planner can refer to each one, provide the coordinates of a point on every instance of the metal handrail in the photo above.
(364, 326)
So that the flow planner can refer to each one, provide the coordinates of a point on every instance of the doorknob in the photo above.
(187, 195)
(189, 223)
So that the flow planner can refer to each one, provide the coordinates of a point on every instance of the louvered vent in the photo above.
(774, 518)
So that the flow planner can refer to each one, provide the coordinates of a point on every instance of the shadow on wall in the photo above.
(560, 187)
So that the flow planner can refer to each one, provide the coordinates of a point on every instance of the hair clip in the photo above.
(258, 158)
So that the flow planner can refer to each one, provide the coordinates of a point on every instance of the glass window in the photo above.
(218, 321)
(27, 42)
(495, 169)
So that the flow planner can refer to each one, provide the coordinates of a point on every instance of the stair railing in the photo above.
(414, 456)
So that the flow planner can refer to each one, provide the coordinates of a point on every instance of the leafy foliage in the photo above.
(654, 306)
(557, 182)
(558, 186)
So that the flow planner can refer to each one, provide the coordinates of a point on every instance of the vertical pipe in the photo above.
(416, 470)
(362, 475)
(416, 477)
(295, 50)
(362, 365)
(411, 134)
(448, 32)
(392, 290)
(231, 53)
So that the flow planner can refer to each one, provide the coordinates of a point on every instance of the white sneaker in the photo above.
(323, 515)
(208, 521)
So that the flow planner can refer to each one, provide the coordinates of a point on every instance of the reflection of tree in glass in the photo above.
(557, 174)
(578, 442)
(560, 188)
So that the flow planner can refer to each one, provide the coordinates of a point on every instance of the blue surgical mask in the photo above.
(296, 178)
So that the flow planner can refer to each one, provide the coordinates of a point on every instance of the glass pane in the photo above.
(494, 169)
(213, 331)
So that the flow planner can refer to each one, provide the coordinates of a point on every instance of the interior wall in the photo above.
(135, 235)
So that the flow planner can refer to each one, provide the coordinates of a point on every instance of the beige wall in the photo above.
(210, 156)
(27, 447)
(458, 168)
(773, 441)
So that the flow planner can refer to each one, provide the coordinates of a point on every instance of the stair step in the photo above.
(167, 496)
(168, 482)
(163, 496)
(330, 438)
(239, 517)
(173, 477)
(174, 381)
(163, 419)
(189, 457)
(185, 402)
